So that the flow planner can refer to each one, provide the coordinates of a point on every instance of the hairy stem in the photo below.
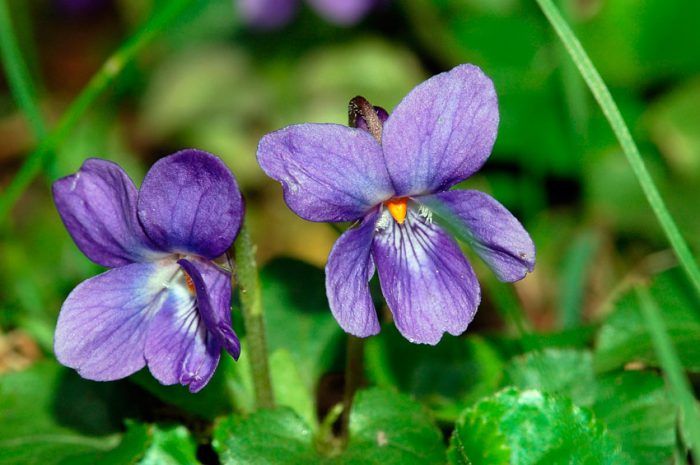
(353, 380)
(612, 113)
(251, 303)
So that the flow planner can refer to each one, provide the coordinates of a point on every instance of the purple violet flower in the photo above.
(270, 14)
(165, 303)
(390, 174)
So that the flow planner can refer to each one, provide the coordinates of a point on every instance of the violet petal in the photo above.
(213, 288)
(441, 132)
(190, 203)
(267, 14)
(428, 284)
(98, 207)
(348, 272)
(494, 233)
(179, 347)
(102, 327)
(328, 172)
(343, 12)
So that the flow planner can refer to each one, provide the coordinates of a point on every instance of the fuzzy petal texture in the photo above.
(427, 282)
(348, 272)
(98, 207)
(213, 289)
(102, 327)
(267, 14)
(328, 172)
(494, 233)
(190, 203)
(441, 132)
(343, 12)
(179, 347)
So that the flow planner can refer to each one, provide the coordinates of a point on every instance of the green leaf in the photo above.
(298, 318)
(638, 411)
(447, 377)
(556, 371)
(277, 436)
(529, 427)
(385, 428)
(171, 445)
(289, 388)
(51, 416)
(623, 337)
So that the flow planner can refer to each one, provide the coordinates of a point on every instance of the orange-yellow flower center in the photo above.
(190, 284)
(397, 208)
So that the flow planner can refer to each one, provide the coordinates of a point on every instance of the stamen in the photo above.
(190, 284)
(397, 208)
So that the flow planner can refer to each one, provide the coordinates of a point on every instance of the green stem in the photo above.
(251, 303)
(353, 380)
(612, 113)
(18, 75)
(672, 367)
(163, 17)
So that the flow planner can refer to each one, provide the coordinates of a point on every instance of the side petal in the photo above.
(102, 327)
(179, 348)
(190, 203)
(328, 172)
(428, 284)
(348, 272)
(441, 132)
(494, 233)
(342, 12)
(267, 14)
(213, 288)
(98, 206)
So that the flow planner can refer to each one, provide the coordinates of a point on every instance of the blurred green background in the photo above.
(210, 81)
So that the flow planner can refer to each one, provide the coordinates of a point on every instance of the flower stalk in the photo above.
(251, 303)
(353, 380)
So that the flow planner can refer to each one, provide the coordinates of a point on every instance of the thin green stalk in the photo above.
(353, 380)
(671, 365)
(18, 75)
(160, 20)
(251, 303)
(612, 113)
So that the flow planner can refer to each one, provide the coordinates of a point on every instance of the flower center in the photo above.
(397, 208)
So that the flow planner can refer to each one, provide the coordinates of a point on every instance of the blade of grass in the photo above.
(158, 22)
(671, 365)
(17, 74)
(612, 113)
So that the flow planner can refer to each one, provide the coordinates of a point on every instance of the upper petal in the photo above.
(101, 330)
(441, 132)
(343, 11)
(428, 284)
(267, 14)
(494, 233)
(213, 289)
(98, 206)
(348, 272)
(190, 203)
(328, 172)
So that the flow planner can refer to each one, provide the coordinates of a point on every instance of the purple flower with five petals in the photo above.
(270, 14)
(166, 302)
(390, 174)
